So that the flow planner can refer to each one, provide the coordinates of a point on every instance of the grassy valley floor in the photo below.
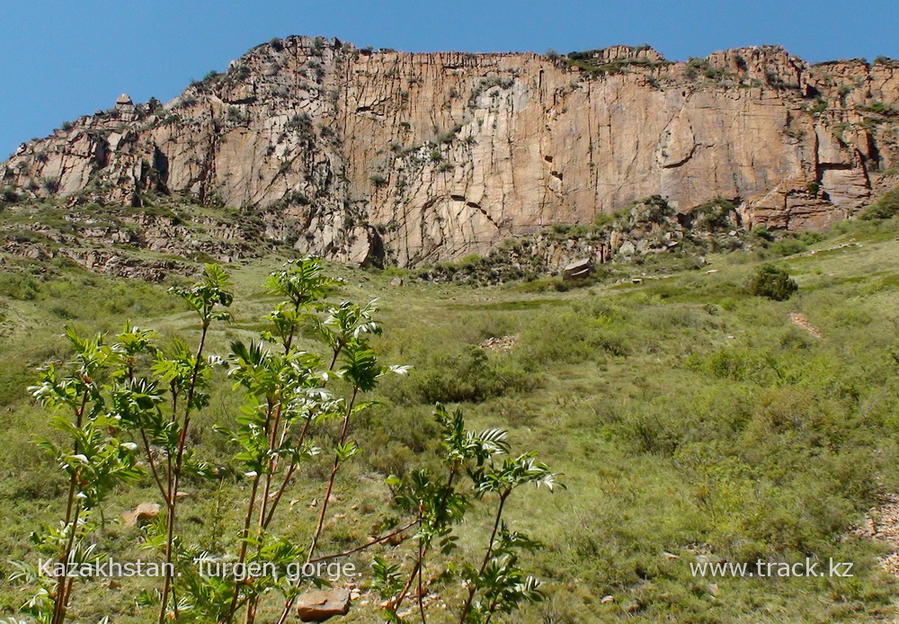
(691, 422)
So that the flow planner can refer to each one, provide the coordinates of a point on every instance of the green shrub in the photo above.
(607, 218)
(573, 335)
(472, 375)
(588, 62)
(714, 215)
(300, 123)
(18, 286)
(786, 246)
(762, 232)
(234, 115)
(810, 238)
(8, 196)
(653, 209)
(881, 108)
(886, 207)
(819, 107)
(50, 184)
(772, 282)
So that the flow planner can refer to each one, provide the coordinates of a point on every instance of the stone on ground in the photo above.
(318, 606)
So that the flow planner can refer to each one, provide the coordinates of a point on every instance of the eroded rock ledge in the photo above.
(390, 156)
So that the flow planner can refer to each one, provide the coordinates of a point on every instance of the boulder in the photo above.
(318, 606)
(577, 269)
(141, 514)
(627, 249)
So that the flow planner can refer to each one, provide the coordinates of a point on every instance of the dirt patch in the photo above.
(502, 343)
(799, 320)
(882, 525)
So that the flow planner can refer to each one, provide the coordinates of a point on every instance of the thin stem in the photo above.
(250, 615)
(278, 494)
(62, 595)
(168, 454)
(248, 519)
(293, 329)
(499, 513)
(422, 553)
(175, 479)
(252, 603)
(169, 538)
(416, 570)
(271, 463)
(71, 504)
(291, 469)
(153, 470)
(394, 607)
(343, 435)
(321, 518)
(334, 359)
(367, 545)
(490, 610)
(473, 589)
(337, 351)
(64, 556)
(421, 558)
(68, 596)
(264, 519)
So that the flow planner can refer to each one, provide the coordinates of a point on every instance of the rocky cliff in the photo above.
(412, 158)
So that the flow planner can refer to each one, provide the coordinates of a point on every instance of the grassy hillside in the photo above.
(691, 422)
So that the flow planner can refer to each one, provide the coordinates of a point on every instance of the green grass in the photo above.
(687, 417)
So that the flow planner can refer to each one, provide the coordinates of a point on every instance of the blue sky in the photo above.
(63, 58)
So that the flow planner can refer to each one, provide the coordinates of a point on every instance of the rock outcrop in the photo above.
(646, 228)
(367, 156)
(145, 512)
(321, 605)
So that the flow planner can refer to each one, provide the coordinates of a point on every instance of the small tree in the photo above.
(772, 282)
(82, 396)
(146, 394)
(477, 469)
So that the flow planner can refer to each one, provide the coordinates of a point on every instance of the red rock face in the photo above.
(433, 156)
